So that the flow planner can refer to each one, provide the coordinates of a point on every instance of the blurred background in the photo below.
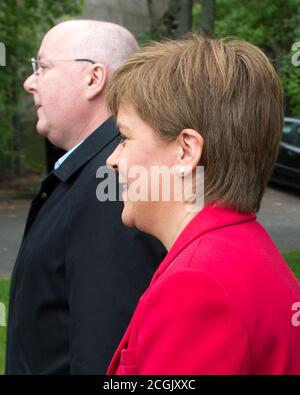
(25, 158)
(273, 25)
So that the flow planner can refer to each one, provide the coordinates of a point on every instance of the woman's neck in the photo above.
(172, 224)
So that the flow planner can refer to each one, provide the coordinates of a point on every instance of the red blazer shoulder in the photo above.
(221, 302)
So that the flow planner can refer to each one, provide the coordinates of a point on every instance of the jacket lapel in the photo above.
(208, 219)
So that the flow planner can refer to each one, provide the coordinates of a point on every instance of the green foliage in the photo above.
(293, 260)
(290, 76)
(196, 14)
(4, 291)
(272, 25)
(144, 38)
(265, 23)
(22, 24)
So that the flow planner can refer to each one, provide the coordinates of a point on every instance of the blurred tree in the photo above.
(269, 24)
(175, 22)
(203, 16)
(22, 24)
(272, 25)
(290, 76)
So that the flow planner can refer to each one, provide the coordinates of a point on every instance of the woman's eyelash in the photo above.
(123, 138)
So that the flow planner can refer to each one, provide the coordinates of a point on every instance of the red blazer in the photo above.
(223, 301)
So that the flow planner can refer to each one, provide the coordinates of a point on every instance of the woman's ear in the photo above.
(190, 144)
(96, 80)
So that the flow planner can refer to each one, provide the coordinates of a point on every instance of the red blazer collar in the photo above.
(208, 219)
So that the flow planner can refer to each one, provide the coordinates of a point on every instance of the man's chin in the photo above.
(41, 129)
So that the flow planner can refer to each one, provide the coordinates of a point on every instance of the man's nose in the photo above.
(113, 160)
(30, 84)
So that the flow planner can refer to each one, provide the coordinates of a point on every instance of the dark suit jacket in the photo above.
(79, 272)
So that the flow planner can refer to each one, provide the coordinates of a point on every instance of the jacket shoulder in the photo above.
(193, 324)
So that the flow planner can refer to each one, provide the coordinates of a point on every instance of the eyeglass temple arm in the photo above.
(85, 60)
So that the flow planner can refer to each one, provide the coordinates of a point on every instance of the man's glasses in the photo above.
(36, 63)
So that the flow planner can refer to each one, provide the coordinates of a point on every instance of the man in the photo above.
(79, 272)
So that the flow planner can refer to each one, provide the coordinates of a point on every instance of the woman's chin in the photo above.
(127, 219)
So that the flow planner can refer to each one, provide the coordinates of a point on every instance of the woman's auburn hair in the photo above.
(225, 89)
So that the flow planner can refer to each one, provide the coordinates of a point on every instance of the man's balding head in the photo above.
(76, 60)
(102, 42)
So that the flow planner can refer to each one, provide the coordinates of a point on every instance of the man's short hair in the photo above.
(225, 89)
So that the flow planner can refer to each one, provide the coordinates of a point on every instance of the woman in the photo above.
(223, 301)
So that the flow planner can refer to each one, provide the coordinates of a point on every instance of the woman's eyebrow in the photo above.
(122, 126)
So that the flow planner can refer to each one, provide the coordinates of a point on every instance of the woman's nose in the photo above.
(113, 159)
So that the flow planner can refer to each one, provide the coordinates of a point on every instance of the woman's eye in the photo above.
(123, 140)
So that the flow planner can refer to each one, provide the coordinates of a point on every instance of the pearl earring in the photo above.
(181, 170)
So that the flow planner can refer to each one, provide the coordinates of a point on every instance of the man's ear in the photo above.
(96, 80)
(190, 147)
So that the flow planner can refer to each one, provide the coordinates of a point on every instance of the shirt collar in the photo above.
(64, 157)
(91, 146)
